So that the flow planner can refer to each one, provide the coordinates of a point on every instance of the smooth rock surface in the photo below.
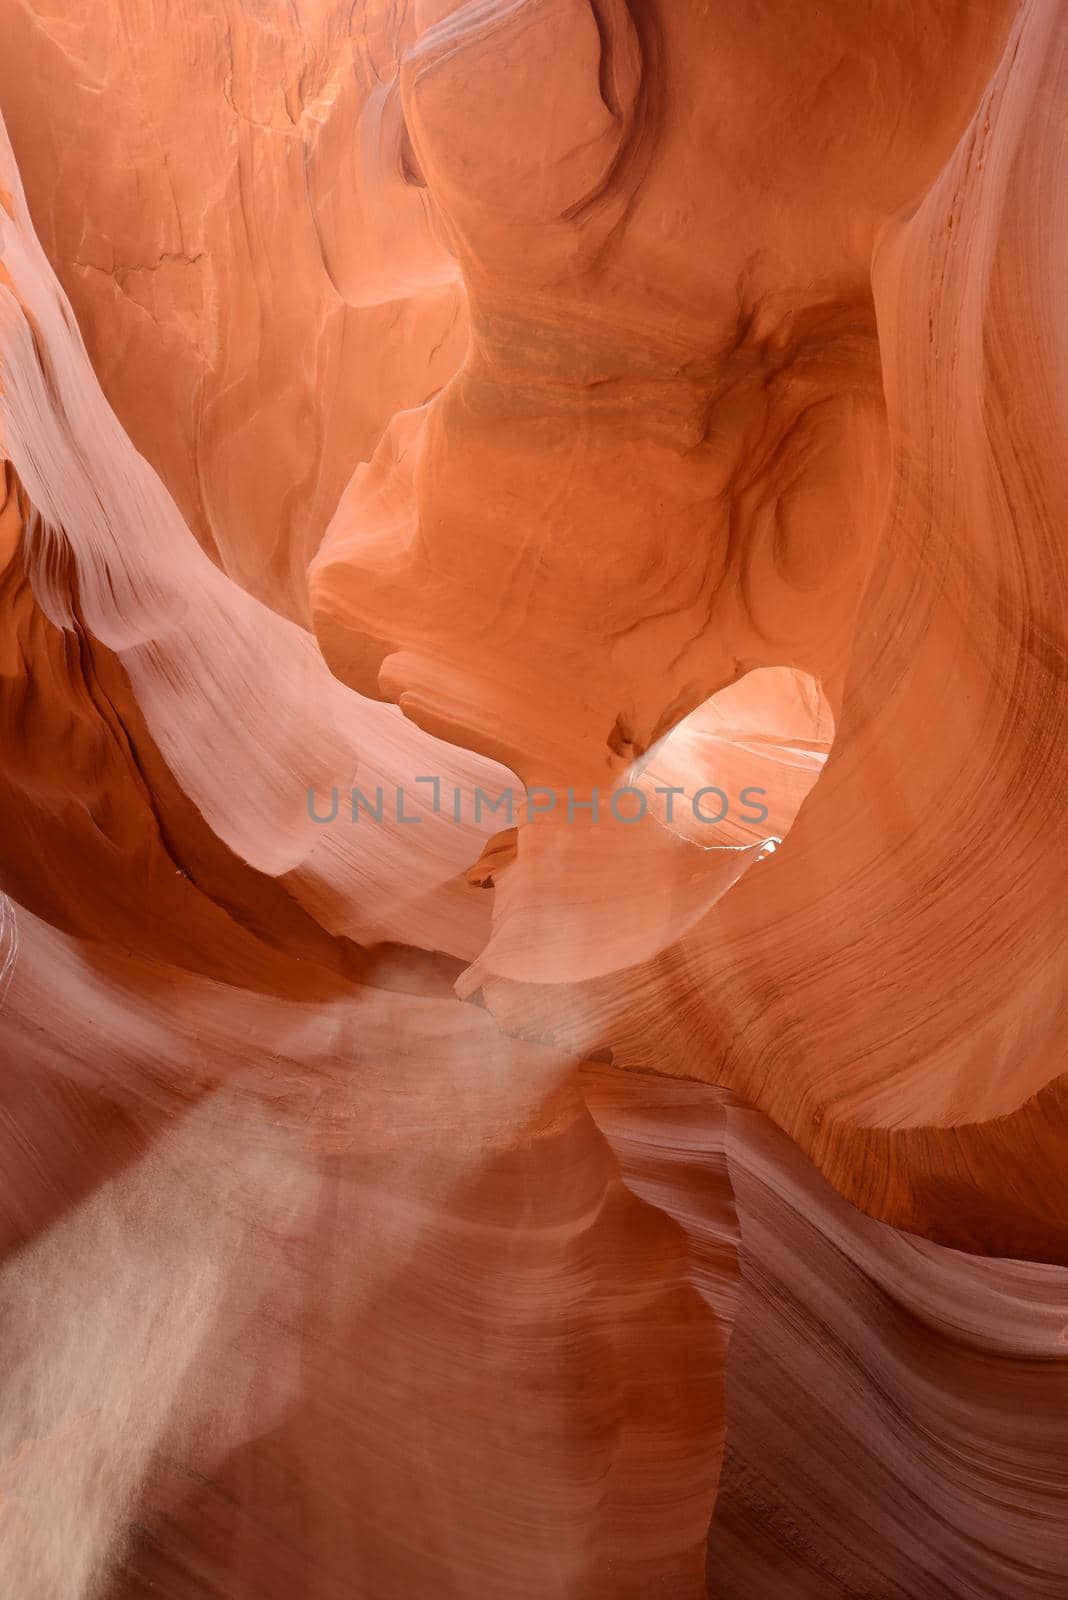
(447, 446)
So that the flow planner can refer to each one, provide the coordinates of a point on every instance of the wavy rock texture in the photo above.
(583, 405)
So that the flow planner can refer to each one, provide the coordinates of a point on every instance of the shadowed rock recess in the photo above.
(534, 711)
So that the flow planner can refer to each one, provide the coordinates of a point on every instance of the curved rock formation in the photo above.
(532, 688)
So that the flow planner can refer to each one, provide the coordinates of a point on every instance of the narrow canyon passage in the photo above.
(532, 705)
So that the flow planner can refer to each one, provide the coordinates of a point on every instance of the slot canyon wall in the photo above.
(444, 443)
